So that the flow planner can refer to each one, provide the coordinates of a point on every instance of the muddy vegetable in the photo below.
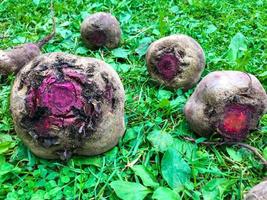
(64, 104)
(101, 30)
(258, 192)
(227, 102)
(11, 61)
(176, 61)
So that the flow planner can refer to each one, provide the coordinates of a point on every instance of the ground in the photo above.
(152, 161)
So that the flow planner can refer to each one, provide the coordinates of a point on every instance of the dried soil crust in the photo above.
(64, 104)
(176, 61)
(101, 29)
(227, 102)
(258, 192)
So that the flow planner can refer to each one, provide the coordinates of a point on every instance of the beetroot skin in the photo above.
(63, 104)
(101, 29)
(227, 102)
(258, 192)
(176, 61)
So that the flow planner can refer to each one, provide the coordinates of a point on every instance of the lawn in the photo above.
(152, 161)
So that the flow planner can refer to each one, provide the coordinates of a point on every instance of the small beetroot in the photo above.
(227, 102)
(101, 29)
(63, 104)
(176, 61)
(11, 61)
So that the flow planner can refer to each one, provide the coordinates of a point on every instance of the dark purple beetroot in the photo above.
(63, 104)
(101, 30)
(11, 61)
(230, 103)
(176, 61)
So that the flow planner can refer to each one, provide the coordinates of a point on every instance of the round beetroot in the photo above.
(176, 61)
(227, 102)
(101, 29)
(64, 104)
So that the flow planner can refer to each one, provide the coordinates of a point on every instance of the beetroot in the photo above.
(63, 105)
(258, 192)
(11, 61)
(227, 102)
(176, 61)
(101, 30)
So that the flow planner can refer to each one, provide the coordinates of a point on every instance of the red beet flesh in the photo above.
(236, 121)
(168, 66)
(59, 98)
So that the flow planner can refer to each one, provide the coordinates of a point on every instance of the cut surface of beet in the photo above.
(58, 97)
(236, 120)
(168, 66)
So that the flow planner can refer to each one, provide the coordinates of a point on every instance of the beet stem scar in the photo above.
(168, 66)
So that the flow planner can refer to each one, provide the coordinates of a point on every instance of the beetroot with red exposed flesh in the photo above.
(101, 30)
(63, 105)
(176, 61)
(230, 103)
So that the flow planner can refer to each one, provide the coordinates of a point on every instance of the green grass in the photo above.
(152, 157)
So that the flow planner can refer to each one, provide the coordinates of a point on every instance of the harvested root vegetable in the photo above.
(63, 104)
(258, 192)
(227, 102)
(11, 61)
(101, 29)
(176, 61)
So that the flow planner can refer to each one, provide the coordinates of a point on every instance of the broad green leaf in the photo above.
(5, 168)
(129, 190)
(214, 189)
(81, 51)
(184, 147)
(131, 133)
(211, 28)
(143, 46)
(121, 67)
(120, 53)
(164, 94)
(175, 169)
(36, 2)
(179, 102)
(4, 146)
(6, 142)
(164, 103)
(146, 176)
(160, 140)
(237, 47)
(235, 155)
(96, 161)
(165, 193)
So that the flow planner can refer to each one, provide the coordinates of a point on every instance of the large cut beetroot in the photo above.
(101, 29)
(227, 102)
(176, 61)
(64, 104)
